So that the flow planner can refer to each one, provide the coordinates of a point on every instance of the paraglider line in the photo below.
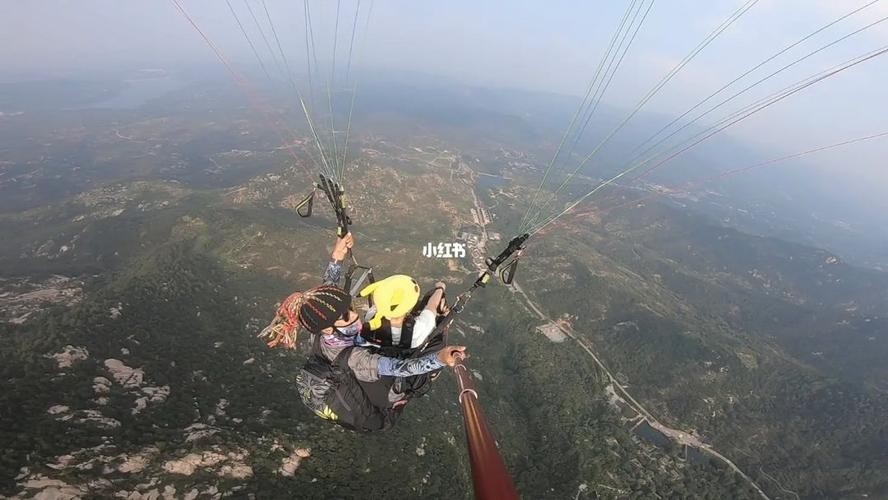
(730, 121)
(668, 77)
(238, 79)
(755, 84)
(541, 209)
(749, 71)
(585, 103)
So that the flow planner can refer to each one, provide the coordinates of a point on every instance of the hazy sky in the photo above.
(543, 45)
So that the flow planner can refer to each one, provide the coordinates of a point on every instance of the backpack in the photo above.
(332, 392)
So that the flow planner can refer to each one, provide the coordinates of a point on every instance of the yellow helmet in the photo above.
(393, 297)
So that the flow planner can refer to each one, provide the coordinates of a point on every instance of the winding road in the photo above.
(679, 436)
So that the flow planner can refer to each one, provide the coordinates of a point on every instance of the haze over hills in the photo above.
(146, 242)
(793, 200)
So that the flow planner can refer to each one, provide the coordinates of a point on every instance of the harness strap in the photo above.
(406, 341)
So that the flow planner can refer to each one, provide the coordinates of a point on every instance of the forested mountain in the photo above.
(143, 249)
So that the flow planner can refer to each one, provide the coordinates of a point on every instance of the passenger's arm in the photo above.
(408, 367)
(333, 273)
(435, 299)
(369, 367)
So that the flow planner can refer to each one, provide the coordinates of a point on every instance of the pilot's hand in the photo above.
(342, 246)
(451, 354)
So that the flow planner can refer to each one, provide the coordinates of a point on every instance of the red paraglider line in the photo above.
(490, 478)
(240, 81)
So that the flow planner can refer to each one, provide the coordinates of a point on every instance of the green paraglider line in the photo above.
(753, 85)
(585, 103)
(706, 134)
(740, 170)
(751, 70)
(654, 91)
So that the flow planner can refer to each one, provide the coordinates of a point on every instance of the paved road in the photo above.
(681, 437)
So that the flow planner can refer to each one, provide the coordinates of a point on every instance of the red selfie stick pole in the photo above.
(489, 475)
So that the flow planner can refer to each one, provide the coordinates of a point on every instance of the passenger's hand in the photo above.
(451, 354)
(342, 246)
(441, 285)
